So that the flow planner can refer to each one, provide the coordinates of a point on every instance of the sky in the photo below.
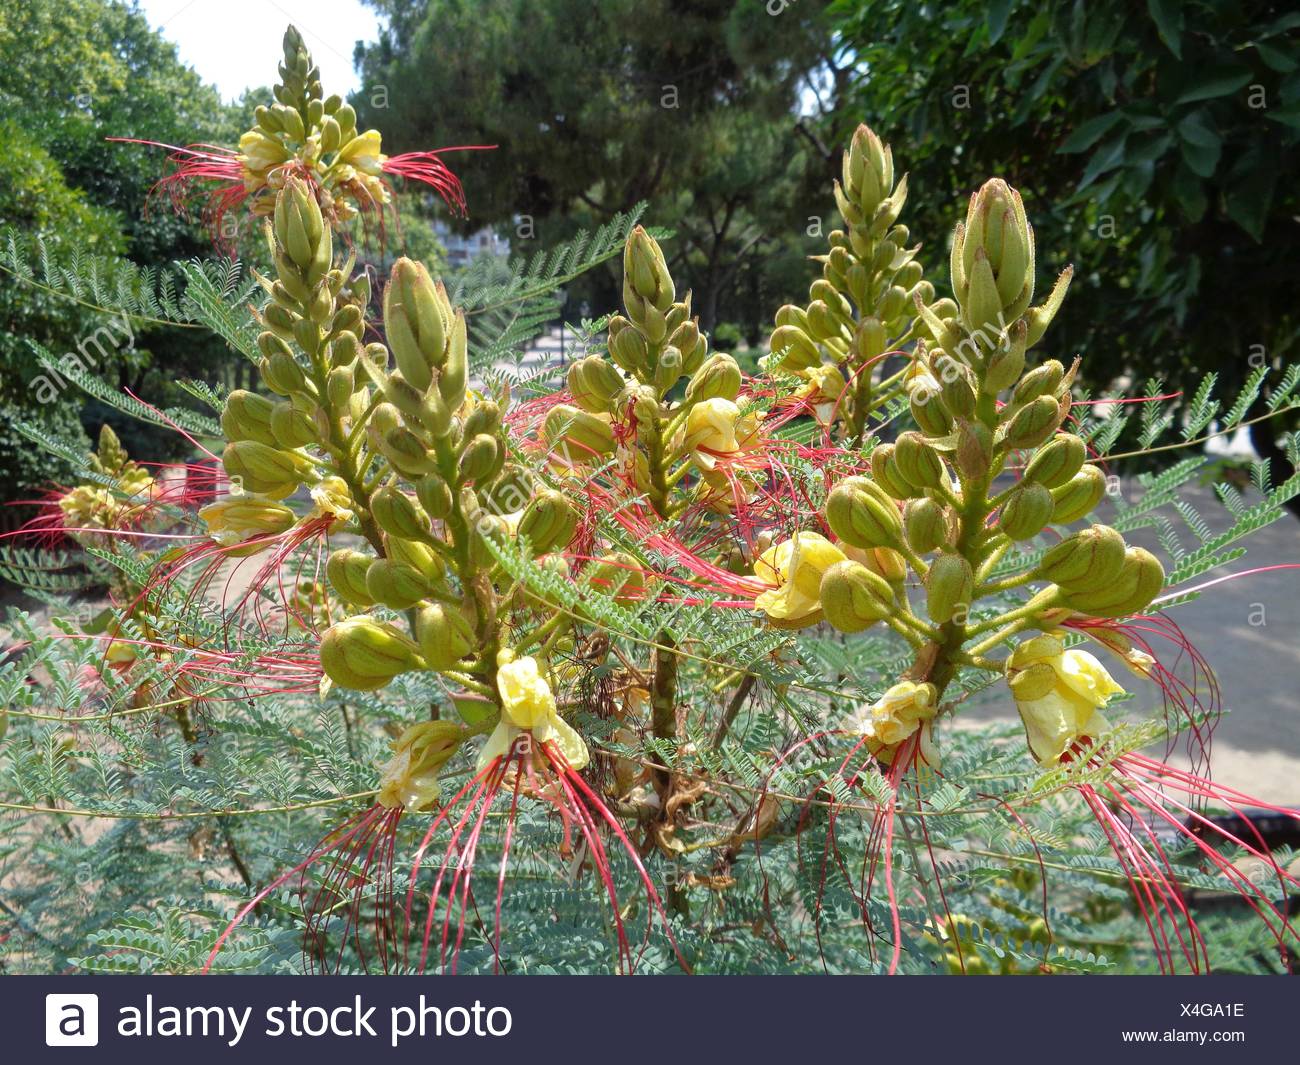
(235, 44)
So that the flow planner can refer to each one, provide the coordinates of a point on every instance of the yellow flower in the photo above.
(239, 518)
(824, 384)
(905, 709)
(1058, 694)
(411, 778)
(711, 431)
(794, 570)
(528, 705)
(331, 497)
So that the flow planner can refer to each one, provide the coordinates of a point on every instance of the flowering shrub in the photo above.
(654, 667)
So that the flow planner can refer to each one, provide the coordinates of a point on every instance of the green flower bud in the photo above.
(1040, 317)
(927, 410)
(884, 472)
(628, 348)
(340, 384)
(1034, 423)
(956, 386)
(1042, 380)
(419, 556)
(398, 515)
(292, 427)
(718, 378)
(434, 496)
(364, 654)
(853, 598)
(998, 233)
(1057, 461)
(265, 470)
(395, 584)
(868, 173)
(973, 455)
(283, 375)
(1079, 495)
(862, 514)
(344, 350)
(949, 586)
(445, 636)
(453, 381)
(1139, 581)
(407, 452)
(593, 383)
(301, 231)
(247, 416)
(1026, 513)
(918, 462)
(417, 320)
(346, 571)
(483, 416)
(925, 522)
(580, 437)
(480, 459)
(668, 369)
(646, 279)
(799, 352)
(549, 521)
(619, 575)
(1006, 362)
(1090, 560)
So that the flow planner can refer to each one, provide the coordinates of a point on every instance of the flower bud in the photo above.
(407, 452)
(628, 348)
(949, 587)
(1090, 560)
(1139, 581)
(868, 172)
(1006, 362)
(410, 780)
(862, 514)
(1057, 461)
(796, 348)
(927, 411)
(346, 570)
(247, 416)
(618, 575)
(292, 427)
(1079, 495)
(481, 458)
(956, 386)
(265, 470)
(364, 654)
(300, 229)
(884, 472)
(340, 384)
(998, 233)
(718, 378)
(918, 462)
(420, 557)
(434, 496)
(444, 635)
(282, 374)
(579, 436)
(1026, 513)
(1033, 423)
(645, 273)
(1042, 380)
(1040, 317)
(668, 369)
(594, 383)
(549, 521)
(395, 584)
(417, 320)
(925, 522)
(973, 455)
(398, 515)
(853, 598)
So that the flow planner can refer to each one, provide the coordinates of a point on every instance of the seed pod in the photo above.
(398, 515)
(434, 496)
(1042, 380)
(1057, 461)
(1026, 513)
(925, 522)
(1079, 495)
(973, 455)
(862, 514)
(549, 521)
(480, 458)
(247, 416)
(1034, 423)
(593, 383)
(718, 378)
(292, 427)
(580, 437)
(1139, 581)
(1090, 560)
(265, 470)
(918, 462)
(416, 322)
(346, 571)
(364, 654)
(853, 598)
(395, 584)
(444, 636)
(949, 587)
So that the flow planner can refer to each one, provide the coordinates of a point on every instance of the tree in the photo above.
(594, 108)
